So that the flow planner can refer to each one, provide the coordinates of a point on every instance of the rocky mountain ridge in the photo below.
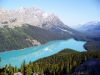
(32, 16)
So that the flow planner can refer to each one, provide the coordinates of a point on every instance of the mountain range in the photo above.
(26, 27)
(92, 30)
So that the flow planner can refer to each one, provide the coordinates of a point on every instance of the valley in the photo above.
(66, 62)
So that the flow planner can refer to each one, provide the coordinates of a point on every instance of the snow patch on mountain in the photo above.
(32, 16)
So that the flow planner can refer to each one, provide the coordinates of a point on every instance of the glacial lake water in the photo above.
(17, 57)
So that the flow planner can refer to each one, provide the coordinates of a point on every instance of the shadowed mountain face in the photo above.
(92, 45)
(36, 17)
(90, 67)
(26, 36)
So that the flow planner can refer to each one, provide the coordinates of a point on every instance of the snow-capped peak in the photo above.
(33, 16)
(45, 15)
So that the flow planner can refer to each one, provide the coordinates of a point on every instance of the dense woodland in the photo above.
(16, 38)
(62, 63)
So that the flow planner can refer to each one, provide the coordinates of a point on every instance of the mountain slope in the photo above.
(25, 36)
(21, 27)
(91, 28)
(26, 27)
(36, 24)
(32, 16)
(35, 17)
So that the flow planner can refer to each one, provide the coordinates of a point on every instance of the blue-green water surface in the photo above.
(17, 57)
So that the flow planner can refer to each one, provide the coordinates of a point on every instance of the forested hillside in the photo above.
(25, 36)
(66, 62)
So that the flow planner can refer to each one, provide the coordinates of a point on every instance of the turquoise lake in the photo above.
(17, 57)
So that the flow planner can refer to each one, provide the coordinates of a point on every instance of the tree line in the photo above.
(62, 63)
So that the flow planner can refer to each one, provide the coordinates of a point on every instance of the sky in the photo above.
(71, 12)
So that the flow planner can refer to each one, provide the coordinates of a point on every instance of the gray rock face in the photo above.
(35, 17)
(32, 16)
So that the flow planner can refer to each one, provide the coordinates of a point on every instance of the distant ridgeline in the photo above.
(63, 63)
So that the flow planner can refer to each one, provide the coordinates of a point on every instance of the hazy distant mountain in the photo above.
(91, 28)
